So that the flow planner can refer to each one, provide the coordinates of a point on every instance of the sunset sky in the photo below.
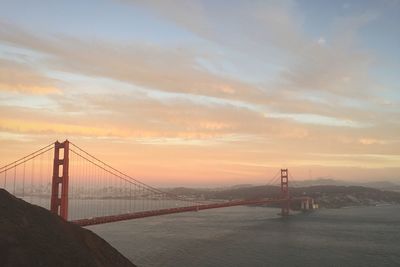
(206, 93)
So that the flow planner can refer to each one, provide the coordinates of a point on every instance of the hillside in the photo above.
(32, 236)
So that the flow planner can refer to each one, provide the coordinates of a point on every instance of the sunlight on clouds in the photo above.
(42, 127)
(210, 125)
(31, 89)
(226, 89)
(318, 119)
(371, 141)
(15, 76)
(18, 126)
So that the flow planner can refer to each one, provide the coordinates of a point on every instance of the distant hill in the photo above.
(329, 196)
(241, 186)
(32, 236)
(321, 181)
(385, 185)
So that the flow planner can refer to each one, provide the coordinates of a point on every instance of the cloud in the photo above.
(340, 67)
(338, 70)
(370, 141)
(174, 100)
(248, 26)
(269, 29)
(44, 127)
(133, 116)
(170, 69)
(150, 66)
(22, 78)
(176, 70)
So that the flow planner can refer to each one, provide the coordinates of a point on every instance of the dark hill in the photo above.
(32, 236)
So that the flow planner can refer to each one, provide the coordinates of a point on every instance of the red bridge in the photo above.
(81, 188)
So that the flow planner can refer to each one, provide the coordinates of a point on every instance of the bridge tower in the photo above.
(59, 187)
(285, 192)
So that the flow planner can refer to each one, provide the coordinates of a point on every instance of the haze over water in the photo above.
(257, 236)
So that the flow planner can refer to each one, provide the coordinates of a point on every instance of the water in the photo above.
(256, 236)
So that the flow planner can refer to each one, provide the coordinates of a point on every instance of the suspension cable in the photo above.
(15, 164)
(125, 175)
(31, 154)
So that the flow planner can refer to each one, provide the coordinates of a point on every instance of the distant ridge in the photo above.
(328, 196)
(386, 185)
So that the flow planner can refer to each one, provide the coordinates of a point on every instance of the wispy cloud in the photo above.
(22, 78)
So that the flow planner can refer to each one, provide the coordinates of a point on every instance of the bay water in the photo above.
(258, 236)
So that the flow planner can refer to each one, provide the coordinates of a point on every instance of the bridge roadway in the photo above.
(150, 213)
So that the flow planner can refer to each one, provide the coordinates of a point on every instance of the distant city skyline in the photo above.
(206, 93)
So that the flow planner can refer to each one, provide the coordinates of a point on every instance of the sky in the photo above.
(206, 93)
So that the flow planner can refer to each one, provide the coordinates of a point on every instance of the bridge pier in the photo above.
(59, 186)
(305, 205)
(285, 206)
(308, 204)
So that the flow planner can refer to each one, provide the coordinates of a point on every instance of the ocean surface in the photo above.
(257, 236)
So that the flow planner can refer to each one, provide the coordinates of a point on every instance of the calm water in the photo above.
(256, 236)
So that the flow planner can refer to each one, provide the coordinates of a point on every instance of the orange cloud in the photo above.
(43, 127)
(22, 78)
(371, 141)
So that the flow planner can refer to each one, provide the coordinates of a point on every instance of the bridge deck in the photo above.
(143, 214)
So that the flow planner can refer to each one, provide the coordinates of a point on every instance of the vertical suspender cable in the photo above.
(40, 179)
(23, 182)
(5, 180)
(15, 174)
(32, 174)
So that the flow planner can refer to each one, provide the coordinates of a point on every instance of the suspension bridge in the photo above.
(81, 188)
